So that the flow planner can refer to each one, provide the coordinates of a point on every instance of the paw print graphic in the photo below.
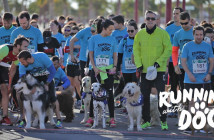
(201, 106)
(203, 114)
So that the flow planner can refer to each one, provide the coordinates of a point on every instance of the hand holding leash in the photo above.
(46, 87)
(139, 71)
(97, 71)
(33, 90)
(59, 88)
(177, 70)
(156, 65)
(112, 71)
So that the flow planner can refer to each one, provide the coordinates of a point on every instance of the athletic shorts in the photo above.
(4, 75)
(73, 70)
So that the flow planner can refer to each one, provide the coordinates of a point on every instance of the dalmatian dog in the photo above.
(99, 101)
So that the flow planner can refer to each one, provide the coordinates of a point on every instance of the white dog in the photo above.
(86, 96)
(99, 101)
(36, 102)
(134, 102)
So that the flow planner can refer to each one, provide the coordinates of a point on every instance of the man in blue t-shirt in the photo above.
(180, 38)
(197, 60)
(42, 68)
(61, 80)
(171, 29)
(83, 35)
(6, 29)
(120, 30)
(28, 31)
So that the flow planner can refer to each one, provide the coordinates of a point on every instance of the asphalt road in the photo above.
(75, 130)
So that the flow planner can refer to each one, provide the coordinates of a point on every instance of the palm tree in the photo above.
(199, 4)
(6, 6)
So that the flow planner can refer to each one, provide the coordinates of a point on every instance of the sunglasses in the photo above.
(150, 18)
(67, 30)
(185, 23)
(131, 31)
(93, 31)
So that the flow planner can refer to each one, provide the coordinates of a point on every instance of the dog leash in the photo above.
(138, 80)
(97, 80)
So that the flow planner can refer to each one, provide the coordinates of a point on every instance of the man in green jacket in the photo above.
(152, 47)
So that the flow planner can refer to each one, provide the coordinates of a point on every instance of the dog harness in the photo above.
(140, 101)
(84, 94)
(101, 99)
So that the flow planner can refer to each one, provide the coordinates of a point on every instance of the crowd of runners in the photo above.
(113, 51)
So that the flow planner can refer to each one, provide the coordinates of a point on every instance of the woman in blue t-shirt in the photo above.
(56, 32)
(125, 52)
(103, 57)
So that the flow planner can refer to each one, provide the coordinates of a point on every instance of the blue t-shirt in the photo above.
(61, 41)
(84, 35)
(33, 34)
(171, 29)
(39, 67)
(182, 37)
(197, 56)
(76, 52)
(59, 75)
(5, 35)
(66, 45)
(126, 47)
(119, 34)
(103, 48)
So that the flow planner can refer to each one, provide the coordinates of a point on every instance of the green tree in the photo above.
(199, 6)
(93, 8)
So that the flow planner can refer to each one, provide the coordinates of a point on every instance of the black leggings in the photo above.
(108, 85)
(82, 66)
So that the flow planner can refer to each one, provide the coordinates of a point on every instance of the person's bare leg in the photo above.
(5, 99)
(20, 102)
(77, 85)
(57, 110)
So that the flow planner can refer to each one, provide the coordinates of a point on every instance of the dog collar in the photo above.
(84, 94)
(140, 101)
(103, 98)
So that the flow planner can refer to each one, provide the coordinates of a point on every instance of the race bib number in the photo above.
(199, 66)
(129, 64)
(102, 60)
(41, 73)
(31, 49)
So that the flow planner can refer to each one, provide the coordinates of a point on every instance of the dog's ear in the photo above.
(137, 90)
(92, 87)
(124, 91)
